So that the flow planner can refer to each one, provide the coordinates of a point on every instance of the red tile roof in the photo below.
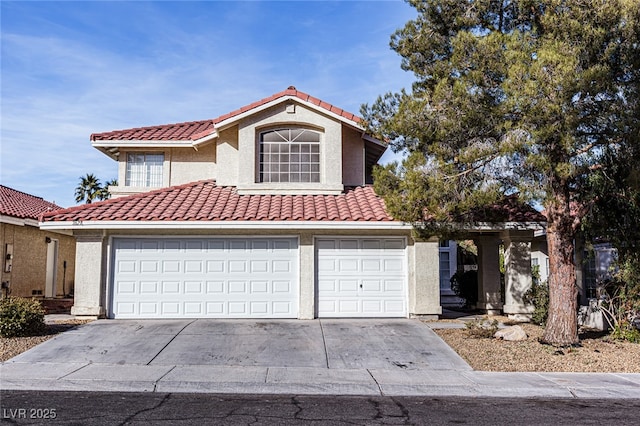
(197, 129)
(511, 209)
(21, 205)
(205, 201)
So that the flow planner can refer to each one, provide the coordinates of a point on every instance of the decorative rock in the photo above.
(513, 333)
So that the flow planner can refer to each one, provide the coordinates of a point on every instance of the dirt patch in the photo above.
(597, 353)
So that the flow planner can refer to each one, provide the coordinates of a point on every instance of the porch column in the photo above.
(424, 279)
(90, 276)
(307, 296)
(489, 293)
(517, 276)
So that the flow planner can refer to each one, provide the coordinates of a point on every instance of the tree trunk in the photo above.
(562, 323)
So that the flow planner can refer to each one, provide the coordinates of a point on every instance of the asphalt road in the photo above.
(102, 408)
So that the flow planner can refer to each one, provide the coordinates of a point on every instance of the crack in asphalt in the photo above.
(137, 413)
(405, 412)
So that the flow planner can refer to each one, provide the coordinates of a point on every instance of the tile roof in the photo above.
(197, 129)
(21, 205)
(205, 201)
(511, 209)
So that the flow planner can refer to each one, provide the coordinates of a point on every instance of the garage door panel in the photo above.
(283, 286)
(361, 277)
(149, 287)
(204, 277)
(215, 266)
(126, 266)
(126, 287)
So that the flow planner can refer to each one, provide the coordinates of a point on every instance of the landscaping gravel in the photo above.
(597, 353)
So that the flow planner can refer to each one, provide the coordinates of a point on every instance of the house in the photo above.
(264, 212)
(38, 263)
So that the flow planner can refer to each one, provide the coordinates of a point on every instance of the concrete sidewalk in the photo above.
(319, 357)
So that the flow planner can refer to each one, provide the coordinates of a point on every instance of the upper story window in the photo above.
(144, 169)
(290, 155)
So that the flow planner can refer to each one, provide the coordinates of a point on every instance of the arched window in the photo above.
(290, 155)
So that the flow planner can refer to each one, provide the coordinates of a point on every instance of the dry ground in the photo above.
(597, 353)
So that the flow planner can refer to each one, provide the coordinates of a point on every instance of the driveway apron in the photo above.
(330, 343)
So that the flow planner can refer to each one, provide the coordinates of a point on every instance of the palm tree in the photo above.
(88, 189)
(103, 193)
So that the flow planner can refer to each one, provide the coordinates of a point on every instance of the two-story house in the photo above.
(264, 212)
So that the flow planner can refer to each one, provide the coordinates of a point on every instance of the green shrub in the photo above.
(538, 296)
(626, 331)
(20, 317)
(465, 286)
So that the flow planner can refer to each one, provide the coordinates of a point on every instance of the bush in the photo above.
(538, 296)
(20, 317)
(482, 328)
(626, 331)
(465, 286)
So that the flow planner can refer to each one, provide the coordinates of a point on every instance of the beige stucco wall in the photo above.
(284, 114)
(424, 278)
(228, 157)
(29, 264)
(231, 158)
(181, 165)
(91, 274)
(188, 165)
(352, 157)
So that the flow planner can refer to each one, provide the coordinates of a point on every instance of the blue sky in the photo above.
(70, 69)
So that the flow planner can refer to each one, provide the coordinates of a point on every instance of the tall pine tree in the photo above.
(519, 97)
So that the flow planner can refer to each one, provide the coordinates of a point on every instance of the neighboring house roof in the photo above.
(509, 210)
(20, 205)
(205, 201)
(199, 129)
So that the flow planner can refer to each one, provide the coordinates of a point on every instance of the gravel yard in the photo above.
(597, 353)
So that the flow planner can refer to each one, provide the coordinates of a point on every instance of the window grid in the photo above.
(290, 155)
(144, 170)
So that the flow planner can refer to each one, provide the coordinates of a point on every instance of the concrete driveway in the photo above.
(333, 344)
(331, 357)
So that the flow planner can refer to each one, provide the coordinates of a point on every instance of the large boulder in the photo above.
(513, 333)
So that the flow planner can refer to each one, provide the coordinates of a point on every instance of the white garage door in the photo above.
(204, 278)
(361, 277)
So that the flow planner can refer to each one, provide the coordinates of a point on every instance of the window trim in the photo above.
(313, 166)
(151, 178)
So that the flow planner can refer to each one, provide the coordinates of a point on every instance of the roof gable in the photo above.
(22, 205)
(195, 130)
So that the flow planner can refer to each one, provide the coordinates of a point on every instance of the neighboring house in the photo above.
(264, 212)
(35, 262)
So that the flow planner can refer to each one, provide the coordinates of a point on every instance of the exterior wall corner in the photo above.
(424, 278)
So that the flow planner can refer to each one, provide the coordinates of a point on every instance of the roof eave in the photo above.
(480, 227)
(18, 221)
(225, 225)
(112, 148)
